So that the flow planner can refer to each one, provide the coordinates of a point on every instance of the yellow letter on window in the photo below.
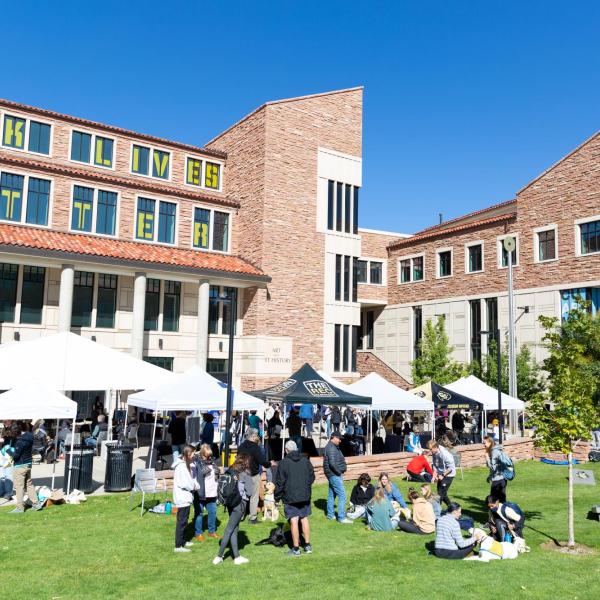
(11, 196)
(13, 132)
(161, 163)
(200, 235)
(211, 176)
(194, 169)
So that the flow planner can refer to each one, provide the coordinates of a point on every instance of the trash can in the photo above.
(83, 465)
(119, 462)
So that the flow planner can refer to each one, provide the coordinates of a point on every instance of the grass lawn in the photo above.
(100, 550)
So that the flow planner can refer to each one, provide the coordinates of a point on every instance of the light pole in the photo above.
(510, 246)
(496, 334)
(232, 301)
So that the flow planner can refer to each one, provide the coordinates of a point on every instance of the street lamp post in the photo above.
(232, 301)
(496, 334)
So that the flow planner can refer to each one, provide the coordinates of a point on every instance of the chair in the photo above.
(132, 435)
(458, 463)
(102, 435)
(145, 481)
(76, 440)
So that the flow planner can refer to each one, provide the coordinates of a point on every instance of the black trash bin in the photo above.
(119, 462)
(83, 465)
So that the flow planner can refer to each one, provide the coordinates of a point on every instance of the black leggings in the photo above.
(409, 527)
(498, 490)
(183, 514)
(443, 485)
(458, 554)
(230, 535)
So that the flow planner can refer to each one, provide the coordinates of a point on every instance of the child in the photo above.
(183, 487)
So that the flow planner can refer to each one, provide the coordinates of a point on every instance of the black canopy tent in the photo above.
(444, 398)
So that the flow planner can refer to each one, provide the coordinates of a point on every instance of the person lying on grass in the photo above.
(380, 512)
(423, 517)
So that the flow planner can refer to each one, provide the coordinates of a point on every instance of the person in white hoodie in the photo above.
(184, 486)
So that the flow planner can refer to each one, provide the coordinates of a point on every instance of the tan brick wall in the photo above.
(374, 245)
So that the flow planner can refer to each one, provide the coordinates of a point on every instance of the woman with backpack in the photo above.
(184, 485)
(207, 475)
(493, 460)
(235, 490)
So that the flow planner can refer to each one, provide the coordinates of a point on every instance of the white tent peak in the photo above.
(473, 387)
(33, 400)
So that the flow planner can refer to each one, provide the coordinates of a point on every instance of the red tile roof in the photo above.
(110, 179)
(111, 128)
(49, 243)
(437, 232)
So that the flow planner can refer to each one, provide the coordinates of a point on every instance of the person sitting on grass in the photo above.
(449, 542)
(362, 494)
(184, 485)
(506, 519)
(380, 512)
(433, 499)
(419, 469)
(423, 517)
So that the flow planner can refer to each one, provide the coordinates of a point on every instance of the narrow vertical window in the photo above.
(354, 347)
(140, 160)
(152, 304)
(38, 200)
(39, 137)
(81, 144)
(337, 330)
(8, 292)
(376, 273)
(346, 349)
(347, 208)
(590, 237)
(230, 293)
(405, 270)
(547, 245)
(475, 258)
(362, 271)
(330, 203)
(339, 203)
(171, 306)
(201, 231)
(11, 196)
(145, 219)
(106, 214)
(14, 132)
(83, 295)
(160, 164)
(417, 270)
(166, 222)
(475, 309)
(346, 279)
(417, 330)
(445, 263)
(370, 327)
(355, 279)
(213, 309)
(338, 276)
(514, 254)
(32, 295)
(83, 208)
(106, 307)
(212, 175)
(193, 171)
(103, 155)
(492, 319)
(355, 209)
(220, 231)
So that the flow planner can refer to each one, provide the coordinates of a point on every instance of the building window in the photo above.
(504, 253)
(171, 306)
(569, 299)
(590, 237)
(217, 367)
(354, 348)
(417, 330)
(492, 319)
(213, 309)
(346, 348)
(347, 209)
(226, 311)
(346, 279)
(475, 312)
(212, 176)
(83, 297)
(475, 258)
(164, 362)
(338, 276)
(546, 241)
(337, 331)
(201, 227)
(376, 273)
(106, 306)
(361, 273)
(11, 197)
(160, 164)
(220, 231)
(81, 144)
(201, 235)
(106, 215)
(370, 322)
(152, 305)
(445, 263)
(83, 208)
(146, 218)
(410, 269)
(14, 132)
(212, 173)
(38, 201)
(140, 160)
(355, 208)
(8, 292)
(193, 174)
(93, 210)
(103, 155)
(339, 206)
(342, 207)
(355, 262)
(219, 312)
(39, 137)
(330, 203)
(32, 295)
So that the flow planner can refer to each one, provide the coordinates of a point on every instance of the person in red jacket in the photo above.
(419, 469)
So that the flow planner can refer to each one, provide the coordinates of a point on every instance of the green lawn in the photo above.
(100, 550)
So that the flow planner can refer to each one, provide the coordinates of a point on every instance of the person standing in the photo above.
(306, 414)
(207, 475)
(493, 461)
(255, 422)
(444, 469)
(240, 471)
(334, 467)
(336, 418)
(207, 436)
(251, 447)
(293, 485)
(21, 453)
(458, 423)
(294, 426)
(184, 485)
(178, 435)
(349, 421)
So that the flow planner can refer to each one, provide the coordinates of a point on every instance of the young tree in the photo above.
(571, 390)
(435, 362)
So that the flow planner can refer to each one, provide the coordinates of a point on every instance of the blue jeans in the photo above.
(336, 488)
(6, 488)
(211, 508)
(177, 449)
(91, 442)
(298, 440)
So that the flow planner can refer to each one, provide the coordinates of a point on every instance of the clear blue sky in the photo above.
(465, 101)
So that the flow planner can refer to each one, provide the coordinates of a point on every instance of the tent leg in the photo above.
(283, 432)
(55, 455)
(110, 415)
(148, 466)
(71, 459)
(125, 425)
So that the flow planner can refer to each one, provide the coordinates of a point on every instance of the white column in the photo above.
(202, 340)
(139, 307)
(65, 298)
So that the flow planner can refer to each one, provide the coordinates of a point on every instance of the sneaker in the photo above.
(293, 552)
(16, 511)
(252, 521)
(189, 544)
(308, 549)
(216, 536)
(345, 521)
(199, 538)
(217, 560)
(37, 506)
(240, 560)
(331, 518)
(182, 549)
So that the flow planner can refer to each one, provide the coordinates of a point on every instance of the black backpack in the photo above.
(228, 493)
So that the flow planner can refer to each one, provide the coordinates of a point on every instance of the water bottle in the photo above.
(168, 508)
(507, 537)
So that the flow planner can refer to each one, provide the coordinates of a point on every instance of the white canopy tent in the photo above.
(474, 388)
(32, 400)
(193, 390)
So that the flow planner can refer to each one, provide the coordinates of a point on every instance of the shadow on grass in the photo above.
(474, 507)
(321, 504)
(553, 539)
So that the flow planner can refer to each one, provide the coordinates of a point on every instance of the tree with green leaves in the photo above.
(435, 361)
(574, 350)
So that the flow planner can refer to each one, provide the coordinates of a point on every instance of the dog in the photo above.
(490, 549)
(270, 510)
(276, 538)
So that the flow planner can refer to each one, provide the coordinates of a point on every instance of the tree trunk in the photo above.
(571, 523)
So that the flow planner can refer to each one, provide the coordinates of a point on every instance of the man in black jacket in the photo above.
(334, 467)
(21, 453)
(293, 485)
(251, 447)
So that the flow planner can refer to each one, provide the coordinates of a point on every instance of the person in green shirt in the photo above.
(380, 512)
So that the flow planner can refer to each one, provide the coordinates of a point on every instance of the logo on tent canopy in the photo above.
(444, 396)
(319, 389)
(281, 387)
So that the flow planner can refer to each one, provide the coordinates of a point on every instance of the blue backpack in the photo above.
(508, 467)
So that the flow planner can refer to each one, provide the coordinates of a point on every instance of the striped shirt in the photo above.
(448, 535)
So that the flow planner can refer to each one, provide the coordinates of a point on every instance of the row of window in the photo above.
(21, 293)
(346, 280)
(344, 348)
(410, 269)
(342, 207)
(370, 271)
(33, 136)
(24, 198)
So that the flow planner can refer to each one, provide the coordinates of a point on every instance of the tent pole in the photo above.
(283, 431)
(55, 455)
(125, 425)
(110, 413)
(152, 442)
(71, 458)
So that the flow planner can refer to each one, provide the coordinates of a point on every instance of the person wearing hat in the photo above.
(334, 467)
